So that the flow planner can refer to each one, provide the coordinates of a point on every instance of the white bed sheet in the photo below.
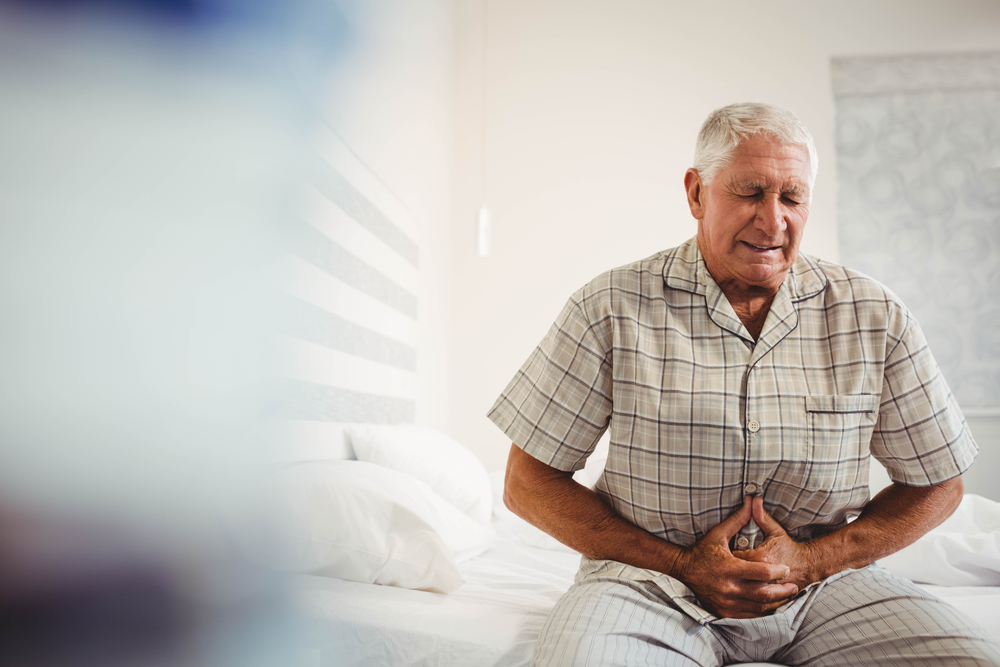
(494, 619)
(981, 603)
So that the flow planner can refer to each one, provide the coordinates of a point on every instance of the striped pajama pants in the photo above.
(859, 617)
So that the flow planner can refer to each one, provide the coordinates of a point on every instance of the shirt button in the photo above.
(743, 543)
(753, 426)
(750, 488)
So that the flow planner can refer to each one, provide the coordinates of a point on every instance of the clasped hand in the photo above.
(745, 584)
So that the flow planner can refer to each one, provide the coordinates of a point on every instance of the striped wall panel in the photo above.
(347, 304)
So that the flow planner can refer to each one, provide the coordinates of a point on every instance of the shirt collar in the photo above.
(684, 269)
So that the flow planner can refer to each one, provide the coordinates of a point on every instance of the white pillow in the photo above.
(361, 522)
(454, 472)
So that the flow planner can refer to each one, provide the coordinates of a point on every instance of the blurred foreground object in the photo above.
(146, 152)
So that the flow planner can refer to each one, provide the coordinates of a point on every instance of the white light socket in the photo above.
(483, 232)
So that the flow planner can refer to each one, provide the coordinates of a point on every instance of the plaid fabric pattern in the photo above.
(701, 414)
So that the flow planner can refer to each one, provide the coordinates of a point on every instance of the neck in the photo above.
(751, 304)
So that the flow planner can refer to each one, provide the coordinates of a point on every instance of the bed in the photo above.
(509, 574)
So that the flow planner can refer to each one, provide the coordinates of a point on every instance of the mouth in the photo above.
(758, 248)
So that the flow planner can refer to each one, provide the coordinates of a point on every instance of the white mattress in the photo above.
(493, 619)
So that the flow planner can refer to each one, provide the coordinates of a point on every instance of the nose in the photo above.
(770, 216)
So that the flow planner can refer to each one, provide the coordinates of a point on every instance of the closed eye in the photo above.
(794, 197)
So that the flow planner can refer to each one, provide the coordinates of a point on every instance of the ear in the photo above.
(695, 193)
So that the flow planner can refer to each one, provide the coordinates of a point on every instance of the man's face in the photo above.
(751, 217)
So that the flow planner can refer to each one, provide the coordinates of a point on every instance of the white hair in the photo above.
(728, 127)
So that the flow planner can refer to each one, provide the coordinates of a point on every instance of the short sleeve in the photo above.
(558, 404)
(921, 436)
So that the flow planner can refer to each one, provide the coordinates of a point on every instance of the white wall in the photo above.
(591, 112)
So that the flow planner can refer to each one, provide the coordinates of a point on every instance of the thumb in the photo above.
(764, 518)
(728, 528)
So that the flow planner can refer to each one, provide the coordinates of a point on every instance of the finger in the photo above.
(756, 600)
(764, 518)
(750, 555)
(728, 528)
(749, 608)
(775, 592)
(759, 596)
(754, 556)
(753, 570)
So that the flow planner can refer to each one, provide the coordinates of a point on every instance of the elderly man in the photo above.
(745, 387)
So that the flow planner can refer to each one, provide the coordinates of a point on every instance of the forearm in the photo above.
(579, 518)
(895, 518)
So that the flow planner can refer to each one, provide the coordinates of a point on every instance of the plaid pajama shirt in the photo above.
(700, 414)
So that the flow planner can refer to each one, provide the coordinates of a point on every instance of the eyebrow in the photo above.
(764, 185)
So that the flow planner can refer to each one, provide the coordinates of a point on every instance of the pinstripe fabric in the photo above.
(857, 617)
(698, 411)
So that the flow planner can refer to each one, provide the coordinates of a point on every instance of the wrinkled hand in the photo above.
(734, 587)
(779, 548)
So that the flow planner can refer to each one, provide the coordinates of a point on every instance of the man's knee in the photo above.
(614, 622)
(872, 617)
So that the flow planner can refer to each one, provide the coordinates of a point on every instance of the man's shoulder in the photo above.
(846, 283)
(847, 287)
(641, 279)
(624, 291)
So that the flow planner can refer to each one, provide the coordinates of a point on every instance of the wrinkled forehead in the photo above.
(769, 163)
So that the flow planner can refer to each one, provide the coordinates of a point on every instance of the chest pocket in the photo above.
(840, 428)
